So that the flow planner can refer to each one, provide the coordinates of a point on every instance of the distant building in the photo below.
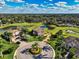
(70, 31)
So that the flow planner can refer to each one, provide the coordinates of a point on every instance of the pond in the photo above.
(2, 30)
(43, 26)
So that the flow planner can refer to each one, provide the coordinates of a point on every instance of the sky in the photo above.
(39, 6)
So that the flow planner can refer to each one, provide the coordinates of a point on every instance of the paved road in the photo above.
(47, 37)
(50, 54)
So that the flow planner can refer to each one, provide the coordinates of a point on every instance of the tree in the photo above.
(8, 51)
(60, 32)
(7, 36)
(73, 50)
(1, 50)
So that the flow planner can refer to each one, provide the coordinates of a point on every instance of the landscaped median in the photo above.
(22, 51)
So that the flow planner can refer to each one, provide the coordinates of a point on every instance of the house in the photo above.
(72, 41)
(77, 54)
(38, 31)
(70, 31)
(16, 36)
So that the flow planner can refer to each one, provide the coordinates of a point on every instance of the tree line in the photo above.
(60, 19)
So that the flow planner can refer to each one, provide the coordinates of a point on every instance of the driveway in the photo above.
(20, 53)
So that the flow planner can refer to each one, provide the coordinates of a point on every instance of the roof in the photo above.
(72, 41)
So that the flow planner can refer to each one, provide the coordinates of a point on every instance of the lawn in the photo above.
(6, 46)
(21, 24)
(53, 31)
(33, 26)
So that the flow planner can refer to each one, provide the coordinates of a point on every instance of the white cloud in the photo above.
(76, 0)
(42, 5)
(32, 5)
(2, 3)
(61, 4)
(50, 0)
(76, 6)
(72, 7)
(37, 10)
(15, 0)
(45, 2)
(46, 5)
(34, 8)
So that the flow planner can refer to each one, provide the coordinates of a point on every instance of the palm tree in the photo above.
(10, 35)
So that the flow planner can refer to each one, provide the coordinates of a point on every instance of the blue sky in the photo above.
(39, 6)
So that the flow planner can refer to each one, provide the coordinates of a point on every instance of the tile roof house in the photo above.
(73, 42)
(16, 35)
(38, 31)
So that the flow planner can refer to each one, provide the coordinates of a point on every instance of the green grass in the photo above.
(54, 31)
(7, 45)
(10, 56)
(29, 25)
(21, 24)
(33, 26)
